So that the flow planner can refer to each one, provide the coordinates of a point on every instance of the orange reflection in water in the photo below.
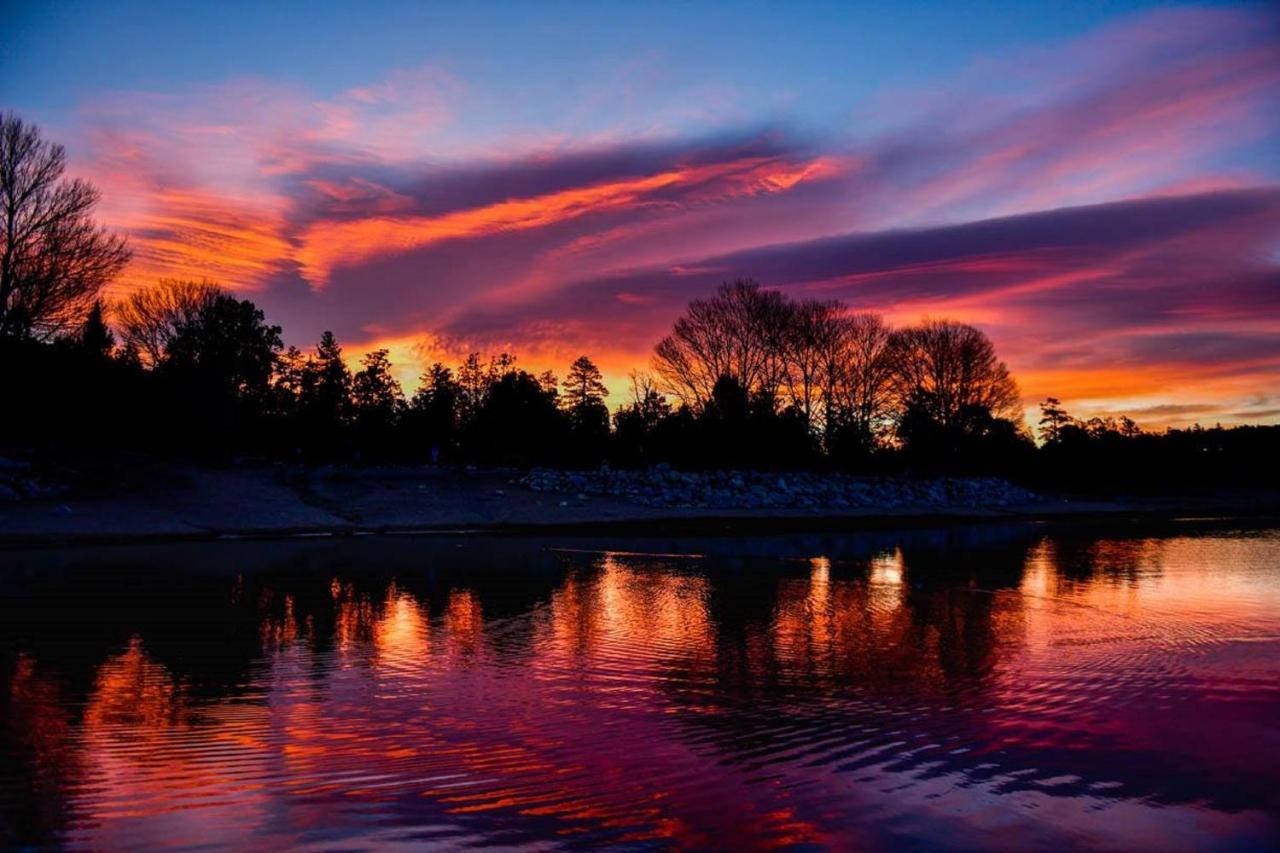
(134, 695)
(463, 623)
(639, 695)
(41, 721)
(402, 632)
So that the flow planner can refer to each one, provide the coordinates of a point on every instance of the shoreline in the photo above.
(679, 526)
(189, 504)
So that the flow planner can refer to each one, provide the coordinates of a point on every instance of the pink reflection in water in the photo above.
(1104, 692)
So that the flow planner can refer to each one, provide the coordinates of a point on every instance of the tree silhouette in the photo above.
(217, 373)
(584, 385)
(811, 344)
(832, 366)
(221, 386)
(96, 339)
(519, 423)
(957, 407)
(584, 397)
(476, 377)
(149, 318)
(856, 369)
(948, 371)
(636, 422)
(290, 375)
(1053, 418)
(740, 331)
(432, 416)
(227, 344)
(54, 259)
(376, 395)
(647, 402)
(325, 398)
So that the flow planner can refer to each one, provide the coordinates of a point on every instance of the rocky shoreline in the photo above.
(667, 488)
(155, 502)
(17, 482)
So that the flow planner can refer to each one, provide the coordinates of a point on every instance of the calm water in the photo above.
(976, 687)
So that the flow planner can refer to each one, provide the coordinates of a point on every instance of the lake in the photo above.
(984, 686)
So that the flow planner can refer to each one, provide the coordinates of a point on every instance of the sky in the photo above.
(1095, 184)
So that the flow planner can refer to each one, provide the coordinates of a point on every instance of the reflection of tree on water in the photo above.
(1080, 559)
(39, 760)
(111, 643)
(883, 653)
(929, 628)
(205, 610)
(147, 652)
(891, 620)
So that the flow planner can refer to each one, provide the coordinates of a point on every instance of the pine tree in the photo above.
(584, 386)
(95, 337)
(1053, 419)
(433, 413)
(326, 387)
(375, 392)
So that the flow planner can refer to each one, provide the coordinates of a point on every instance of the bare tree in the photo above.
(149, 318)
(949, 370)
(811, 327)
(741, 331)
(858, 371)
(838, 367)
(644, 390)
(820, 360)
(54, 259)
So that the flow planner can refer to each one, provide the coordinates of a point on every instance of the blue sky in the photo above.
(814, 62)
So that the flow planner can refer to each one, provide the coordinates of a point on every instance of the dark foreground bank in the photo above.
(171, 501)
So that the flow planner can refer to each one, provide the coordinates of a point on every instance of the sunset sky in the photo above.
(1097, 185)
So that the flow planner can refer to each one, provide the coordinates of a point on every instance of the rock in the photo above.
(12, 466)
(662, 486)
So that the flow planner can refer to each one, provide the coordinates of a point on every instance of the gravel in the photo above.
(665, 487)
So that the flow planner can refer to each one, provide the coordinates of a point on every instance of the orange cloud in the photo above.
(327, 245)
(192, 234)
(330, 244)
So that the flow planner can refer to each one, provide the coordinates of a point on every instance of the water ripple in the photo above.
(997, 695)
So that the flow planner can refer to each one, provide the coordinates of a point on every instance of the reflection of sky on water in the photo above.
(974, 686)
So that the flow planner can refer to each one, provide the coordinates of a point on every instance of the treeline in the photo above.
(1116, 455)
(754, 380)
(187, 370)
(758, 376)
